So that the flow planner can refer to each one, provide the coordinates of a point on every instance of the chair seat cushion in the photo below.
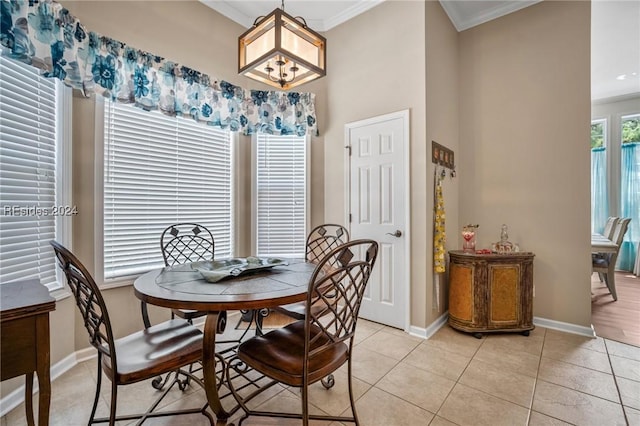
(156, 350)
(600, 263)
(279, 354)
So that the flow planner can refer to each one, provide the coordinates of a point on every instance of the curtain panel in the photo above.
(599, 200)
(45, 35)
(630, 204)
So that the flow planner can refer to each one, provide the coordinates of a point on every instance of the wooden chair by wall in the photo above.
(605, 265)
(308, 350)
(143, 355)
(610, 227)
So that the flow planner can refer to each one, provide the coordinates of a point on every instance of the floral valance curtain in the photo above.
(46, 35)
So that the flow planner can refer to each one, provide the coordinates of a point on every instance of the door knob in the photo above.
(396, 234)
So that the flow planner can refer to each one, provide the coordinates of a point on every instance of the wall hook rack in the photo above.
(443, 156)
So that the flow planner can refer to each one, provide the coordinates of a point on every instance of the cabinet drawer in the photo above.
(18, 343)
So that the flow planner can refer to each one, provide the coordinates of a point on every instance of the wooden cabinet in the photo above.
(24, 340)
(491, 292)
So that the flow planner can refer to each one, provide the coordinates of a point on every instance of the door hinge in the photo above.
(349, 217)
(349, 148)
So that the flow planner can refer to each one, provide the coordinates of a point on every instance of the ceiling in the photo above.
(615, 36)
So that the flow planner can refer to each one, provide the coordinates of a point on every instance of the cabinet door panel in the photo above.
(461, 292)
(504, 297)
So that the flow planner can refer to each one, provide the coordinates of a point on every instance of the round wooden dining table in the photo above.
(183, 287)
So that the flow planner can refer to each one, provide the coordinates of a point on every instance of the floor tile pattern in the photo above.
(547, 378)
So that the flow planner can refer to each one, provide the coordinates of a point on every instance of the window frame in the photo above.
(99, 201)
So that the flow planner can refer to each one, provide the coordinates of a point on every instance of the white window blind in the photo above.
(161, 170)
(280, 195)
(28, 146)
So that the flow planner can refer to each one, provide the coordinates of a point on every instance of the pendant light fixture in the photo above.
(280, 50)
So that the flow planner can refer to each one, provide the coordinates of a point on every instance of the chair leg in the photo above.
(610, 278)
(351, 398)
(114, 399)
(305, 404)
(328, 381)
(98, 384)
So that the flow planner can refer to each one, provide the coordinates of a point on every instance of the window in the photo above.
(615, 175)
(599, 198)
(160, 170)
(280, 194)
(34, 173)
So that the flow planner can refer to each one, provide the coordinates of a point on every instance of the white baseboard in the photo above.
(426, 333)
(16, 397)
(565, 326)
(86, 354)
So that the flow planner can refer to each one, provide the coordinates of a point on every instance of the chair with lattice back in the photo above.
(163, 348)
(307, 350)
(320, 241)
(183, 243)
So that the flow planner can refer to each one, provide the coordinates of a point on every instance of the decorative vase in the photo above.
(469, 238)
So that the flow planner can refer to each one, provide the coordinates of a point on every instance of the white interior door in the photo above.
(378, 206)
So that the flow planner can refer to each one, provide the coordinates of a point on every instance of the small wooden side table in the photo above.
(24, 340)
(491, 292)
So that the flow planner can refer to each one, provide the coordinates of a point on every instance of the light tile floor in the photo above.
(547, 378)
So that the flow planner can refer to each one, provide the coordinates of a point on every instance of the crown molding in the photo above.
(461, 23)
(345, 15)
(227, 9)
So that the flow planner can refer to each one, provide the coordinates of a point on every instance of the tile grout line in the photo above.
(615, 381)
(535, 384)
(458, 380)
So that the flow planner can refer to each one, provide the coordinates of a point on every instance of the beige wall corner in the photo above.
(442, 114)
(524, 126)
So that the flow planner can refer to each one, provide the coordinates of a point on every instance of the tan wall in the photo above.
(377, 66)
(442, 123)
(524, 157)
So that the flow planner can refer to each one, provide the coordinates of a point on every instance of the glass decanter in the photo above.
(504, 245)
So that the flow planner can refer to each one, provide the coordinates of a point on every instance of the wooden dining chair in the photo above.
(309, 349)
(607, 232)
(610, 226)
(143, 355)
(605, 263)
